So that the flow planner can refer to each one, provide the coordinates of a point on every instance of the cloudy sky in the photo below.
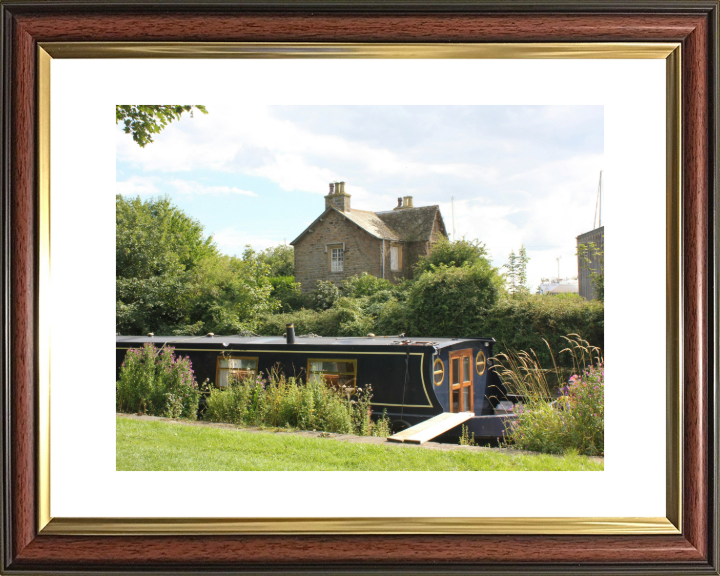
(518, 174)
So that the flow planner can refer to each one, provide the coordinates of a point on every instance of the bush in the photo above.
(364, 285)
(278, 401)
(575, 421)
(457, 253)
(392, 318)
(325, 295)
(450, 301)
(527, 322)
(155, 382)
(287, 293)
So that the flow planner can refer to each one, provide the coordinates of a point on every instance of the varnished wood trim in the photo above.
(23, 290)
(692, 23)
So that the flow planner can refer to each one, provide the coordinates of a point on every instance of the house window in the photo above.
(337, 373)
(395, 258)
(234, 368)
(336, 260)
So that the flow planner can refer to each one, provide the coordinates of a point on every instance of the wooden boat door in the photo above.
(461, 381)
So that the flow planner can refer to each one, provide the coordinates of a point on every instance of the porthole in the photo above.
(480, 363)
(438, 372)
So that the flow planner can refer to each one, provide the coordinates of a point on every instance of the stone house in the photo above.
(344, 242)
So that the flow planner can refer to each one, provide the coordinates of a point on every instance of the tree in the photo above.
(451, 253)
(143, 121)
(280, 260)
(450, 301)
(592, 259)
(171, 279)
(157, 250)
(516, 275)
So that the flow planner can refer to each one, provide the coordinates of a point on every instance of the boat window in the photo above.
(461, 381)
(480, 363)
(337, 373)
(234, 368)
(438, 372)
(456, 400)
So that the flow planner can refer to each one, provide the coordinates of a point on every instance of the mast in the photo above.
(600, 194)
(598, 204)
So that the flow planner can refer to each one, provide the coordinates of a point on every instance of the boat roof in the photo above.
(301, 340)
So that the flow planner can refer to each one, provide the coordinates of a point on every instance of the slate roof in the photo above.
(370, 222)
(412, 224)
(408, 224)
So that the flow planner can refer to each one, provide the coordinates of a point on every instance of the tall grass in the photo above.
(557, 414)
(156, 382)
(280, 401)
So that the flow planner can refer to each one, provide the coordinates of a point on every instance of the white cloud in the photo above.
(519, 175)
(191, 187)
(137, 185)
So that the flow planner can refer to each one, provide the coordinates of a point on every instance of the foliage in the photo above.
(516, 323)
(287, 293)
(171, 279)
(516, 275)
(526, 323)
(143, 121)
(325, 295)
(347, 317)
(449, 301)
(592, 259)
(575, 421)
(467, 439)
(230, 295)
(279, 259)
(279, 402)
(155, 382)
(158, 249)
(382, 427)
(364, 285)
(451, 253)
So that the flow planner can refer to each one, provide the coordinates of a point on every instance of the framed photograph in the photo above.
(67, 65)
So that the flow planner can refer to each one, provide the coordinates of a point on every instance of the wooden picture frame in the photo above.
(30, 544)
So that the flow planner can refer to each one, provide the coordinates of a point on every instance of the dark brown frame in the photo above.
(694, 23)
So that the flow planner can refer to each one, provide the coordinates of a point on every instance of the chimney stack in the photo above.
(404, 202)
(337, 197)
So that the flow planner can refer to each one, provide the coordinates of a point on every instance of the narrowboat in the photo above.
(413, 379)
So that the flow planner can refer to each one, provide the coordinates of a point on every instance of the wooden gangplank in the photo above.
(431, 428)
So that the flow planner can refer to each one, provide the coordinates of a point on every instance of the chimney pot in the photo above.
(332, 188)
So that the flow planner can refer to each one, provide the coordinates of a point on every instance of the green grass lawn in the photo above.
(143, 445)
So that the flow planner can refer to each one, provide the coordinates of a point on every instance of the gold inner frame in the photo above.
(670, 52)
(480, 360)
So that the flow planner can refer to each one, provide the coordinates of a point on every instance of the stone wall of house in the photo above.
(436, 233)
(363, 252)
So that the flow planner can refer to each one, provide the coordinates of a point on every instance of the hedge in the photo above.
(519, 323)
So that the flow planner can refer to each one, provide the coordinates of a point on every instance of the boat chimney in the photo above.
(290, 333)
